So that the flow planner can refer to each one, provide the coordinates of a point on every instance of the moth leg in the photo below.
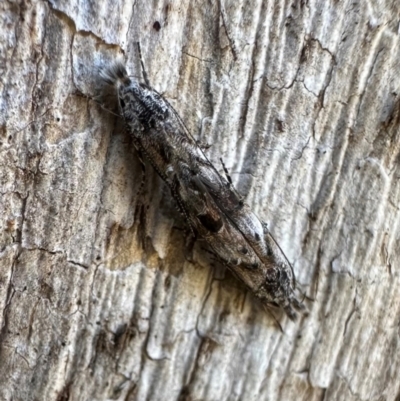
(230, 183)
(143, 175)
(190, 240)
(298, 305)
(174, 188)
(267, 309)
(215, 257)
(79, 93)
(228, 177)
(144, 73)
(203, 145)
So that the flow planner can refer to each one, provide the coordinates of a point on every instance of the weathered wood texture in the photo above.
(97, 298)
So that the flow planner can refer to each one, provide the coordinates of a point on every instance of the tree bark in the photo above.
(100, 297)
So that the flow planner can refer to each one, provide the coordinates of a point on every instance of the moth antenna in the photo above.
(145, 77)
(305, 296)
(268, 310)
(215, 257)
(203, 146)
(228, 177)
(136, 77)
(231, 186)
(283, 253)
(291, 314)
(143, 167)
(298, 305)
(81, 94)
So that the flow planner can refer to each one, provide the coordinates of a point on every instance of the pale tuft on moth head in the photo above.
(138, 102)
(115, 73)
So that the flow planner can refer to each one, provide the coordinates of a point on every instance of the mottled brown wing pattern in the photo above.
(210, 204)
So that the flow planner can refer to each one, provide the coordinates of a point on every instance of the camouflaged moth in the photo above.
(212, 208)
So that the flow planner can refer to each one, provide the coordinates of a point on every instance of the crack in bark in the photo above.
(21, 356)
(197, 58)
(308, 90)
(302, 150)
(206, 345)
(152, 308)
(70, 20)
(209, 291)
(360, 100)
(232, 46)
(61, 253)
(78, 264)
(9, 296)
(248, 94)
(354, 310)
(35, 84)
(130, 22)
(348, 385)
(313, 39)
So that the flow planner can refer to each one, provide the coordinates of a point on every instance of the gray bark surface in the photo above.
(99, 299)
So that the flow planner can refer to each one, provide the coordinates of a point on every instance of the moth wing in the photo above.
(220, 190)
(198, 201)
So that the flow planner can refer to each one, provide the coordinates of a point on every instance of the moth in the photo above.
(210, 204)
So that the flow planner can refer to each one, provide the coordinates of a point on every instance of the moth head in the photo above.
(140, 103)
